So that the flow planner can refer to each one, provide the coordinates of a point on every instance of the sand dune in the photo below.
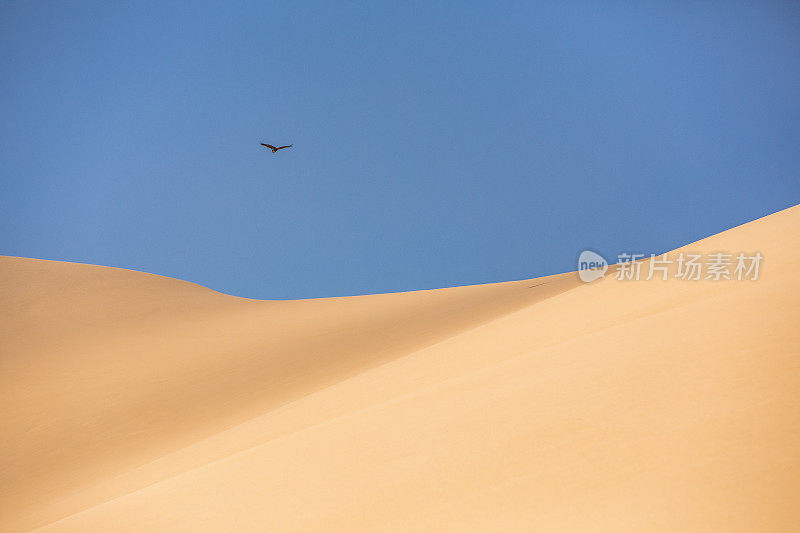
(134, 402)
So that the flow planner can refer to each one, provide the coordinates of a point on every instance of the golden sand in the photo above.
(135, 402)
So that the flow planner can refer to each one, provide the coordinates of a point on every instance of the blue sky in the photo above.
(435, 143)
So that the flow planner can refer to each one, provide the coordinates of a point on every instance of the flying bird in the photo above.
(274, 149)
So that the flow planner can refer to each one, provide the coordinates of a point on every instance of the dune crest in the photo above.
(136, 402)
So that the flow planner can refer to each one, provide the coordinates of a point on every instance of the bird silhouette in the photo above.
(274, 149)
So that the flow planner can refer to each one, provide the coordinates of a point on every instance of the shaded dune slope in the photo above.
(106, 369)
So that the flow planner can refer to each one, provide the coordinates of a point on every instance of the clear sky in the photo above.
(435, 143)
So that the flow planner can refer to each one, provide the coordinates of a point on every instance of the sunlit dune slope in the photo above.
(142, 403)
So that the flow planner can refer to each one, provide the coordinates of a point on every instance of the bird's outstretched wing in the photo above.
(269, 146)
(282, 147)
